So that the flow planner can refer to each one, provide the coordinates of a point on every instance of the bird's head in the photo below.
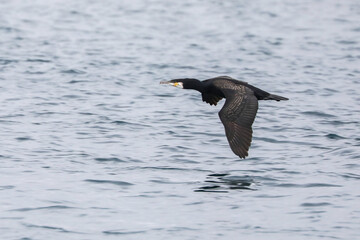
(186, 83)
(176, 83)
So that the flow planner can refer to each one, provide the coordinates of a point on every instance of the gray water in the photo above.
(92, 147)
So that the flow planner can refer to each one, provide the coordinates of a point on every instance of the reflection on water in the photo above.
(222, 182)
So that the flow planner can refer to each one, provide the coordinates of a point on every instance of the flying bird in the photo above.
(239, 110)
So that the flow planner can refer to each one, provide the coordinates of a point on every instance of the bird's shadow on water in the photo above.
(223, 182)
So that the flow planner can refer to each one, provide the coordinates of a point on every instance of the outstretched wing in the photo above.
(237, 116)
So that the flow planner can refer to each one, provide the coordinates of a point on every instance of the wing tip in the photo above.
(242, 155)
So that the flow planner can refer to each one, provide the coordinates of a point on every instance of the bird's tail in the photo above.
(275, 97)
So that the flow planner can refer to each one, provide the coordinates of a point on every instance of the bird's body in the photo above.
(239, 110)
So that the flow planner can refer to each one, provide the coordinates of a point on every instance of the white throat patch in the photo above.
(178, 84)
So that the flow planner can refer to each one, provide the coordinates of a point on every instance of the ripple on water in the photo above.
(114, 182)
(318, 204)
(4, 61)
(47, 227)
(338, 122)
(6, 187)
(21, 139)
(351, 175)
(78, 81)
(308, 185)
(110, 159)
(318, 114)
(73, 71)
(124, 123)
(54, 207)
(38, 60)
(334, 136)
(123, 232)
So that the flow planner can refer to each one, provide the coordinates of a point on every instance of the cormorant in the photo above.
(239, 110)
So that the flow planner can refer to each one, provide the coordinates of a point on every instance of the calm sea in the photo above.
(92, 147)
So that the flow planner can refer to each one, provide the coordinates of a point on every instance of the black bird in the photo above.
(239, 110)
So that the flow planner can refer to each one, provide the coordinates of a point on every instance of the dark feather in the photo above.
(239, 110)
(212, 99)
(237, 116)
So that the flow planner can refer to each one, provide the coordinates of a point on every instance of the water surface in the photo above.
(92, 147)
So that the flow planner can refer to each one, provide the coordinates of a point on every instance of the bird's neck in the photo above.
(196, 85)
